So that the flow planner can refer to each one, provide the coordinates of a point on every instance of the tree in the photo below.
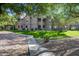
(59, 13)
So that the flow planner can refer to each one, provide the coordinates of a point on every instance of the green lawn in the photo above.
(72, 33)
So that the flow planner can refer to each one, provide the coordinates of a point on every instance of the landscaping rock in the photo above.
(12, 44)
(37, 50)
(65, 47)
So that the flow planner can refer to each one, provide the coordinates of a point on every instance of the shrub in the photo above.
(41, 34)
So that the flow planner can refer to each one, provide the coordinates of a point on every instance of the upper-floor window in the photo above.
(39, 19)
(44, 20)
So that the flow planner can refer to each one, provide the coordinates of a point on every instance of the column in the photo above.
(41, 23)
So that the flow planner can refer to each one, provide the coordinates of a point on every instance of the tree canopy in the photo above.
(59, 12)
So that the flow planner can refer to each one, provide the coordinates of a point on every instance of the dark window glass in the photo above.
(39, 26)
(43, 26)
(26, 26)
(21, 26)
(39, 19)
(44, 19)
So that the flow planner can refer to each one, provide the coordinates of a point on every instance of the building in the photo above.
(74, 26)
(34, 23)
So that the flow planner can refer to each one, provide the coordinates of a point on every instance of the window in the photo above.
(26, 26)
(18, 26)
(44, 19)
(39, 19)
(39, 27)
(21, 26)
(43, 26)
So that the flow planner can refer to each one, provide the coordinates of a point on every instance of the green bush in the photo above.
(49, 35)
(42, 34)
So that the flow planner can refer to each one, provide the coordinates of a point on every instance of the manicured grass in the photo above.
(72, 33)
